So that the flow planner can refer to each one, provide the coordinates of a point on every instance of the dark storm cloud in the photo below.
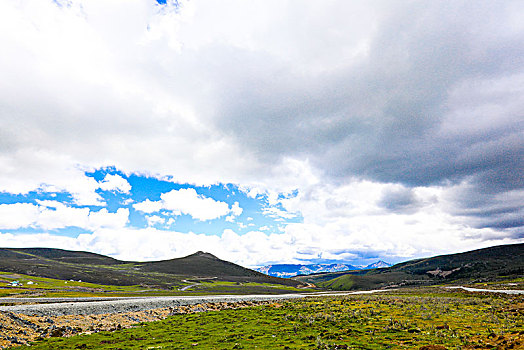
(401, 200)
(436, 101)
(489, 209)
(504, 223)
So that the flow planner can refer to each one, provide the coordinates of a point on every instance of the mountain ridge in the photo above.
(292, 270)
(96, 268)
(476, 266)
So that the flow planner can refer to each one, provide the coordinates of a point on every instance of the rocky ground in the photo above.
(19, 329)
(79, 306)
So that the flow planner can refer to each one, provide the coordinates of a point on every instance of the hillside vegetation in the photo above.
(98, 269)
(430, 319)
(477, 266)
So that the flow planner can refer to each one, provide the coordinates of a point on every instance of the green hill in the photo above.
(95, 268)
(482, 265)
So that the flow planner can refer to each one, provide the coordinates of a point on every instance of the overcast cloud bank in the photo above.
(393, 129)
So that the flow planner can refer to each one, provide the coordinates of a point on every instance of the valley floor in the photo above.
(430, 318)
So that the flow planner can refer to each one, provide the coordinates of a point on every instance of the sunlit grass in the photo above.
(49, 287)
(405, 320)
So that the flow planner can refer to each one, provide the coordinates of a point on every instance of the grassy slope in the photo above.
(207, 265)
(492, 262)
(403, 321)
(482, 265)
(99, 269)
(48, 287)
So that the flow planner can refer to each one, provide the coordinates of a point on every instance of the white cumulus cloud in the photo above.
(115, 183)
(18, 215)
(187, 201)
(52, 215)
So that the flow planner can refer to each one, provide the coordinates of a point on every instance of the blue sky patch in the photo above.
(239, 212)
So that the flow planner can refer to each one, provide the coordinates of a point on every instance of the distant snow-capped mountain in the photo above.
(379, 264)
(291, 270)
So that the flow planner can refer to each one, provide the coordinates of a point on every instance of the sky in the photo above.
(262, 132)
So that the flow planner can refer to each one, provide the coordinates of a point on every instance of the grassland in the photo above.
(49, 287)
(410, 319)
(166, 275)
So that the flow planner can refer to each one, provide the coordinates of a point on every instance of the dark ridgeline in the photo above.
(481, 265)
(96, 268)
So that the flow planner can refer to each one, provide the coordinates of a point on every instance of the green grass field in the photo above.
(406, 320)
(49, 287)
